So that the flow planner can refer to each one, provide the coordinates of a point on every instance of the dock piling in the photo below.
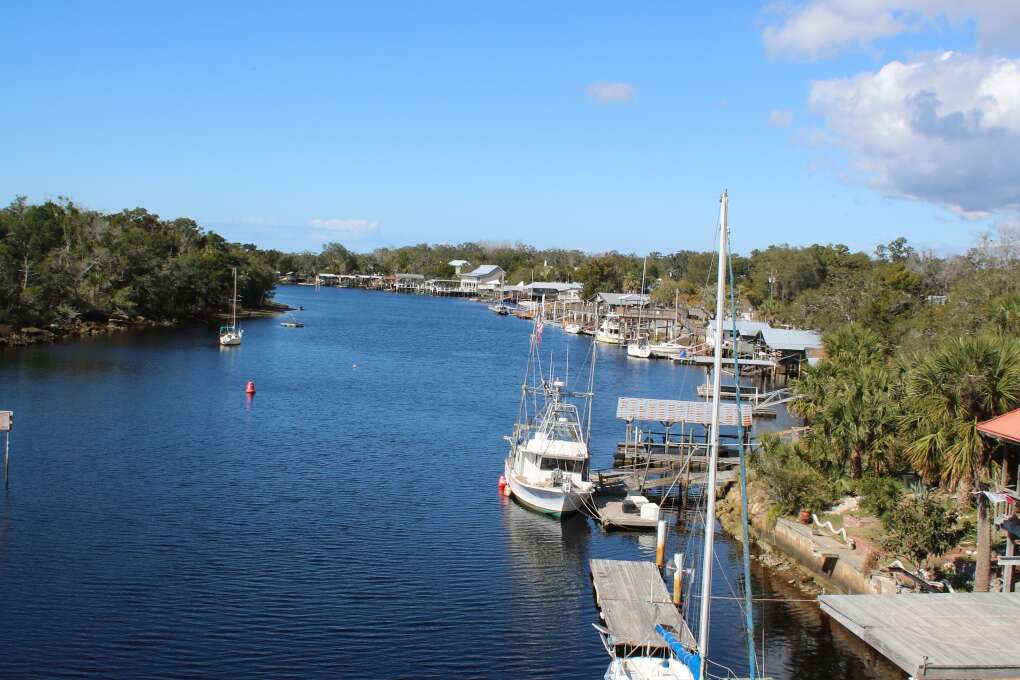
(660, 544)
(678, 579)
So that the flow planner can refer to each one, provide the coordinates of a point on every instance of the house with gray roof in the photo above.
(486, 277)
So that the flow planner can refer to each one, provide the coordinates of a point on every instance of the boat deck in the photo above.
(632, 599)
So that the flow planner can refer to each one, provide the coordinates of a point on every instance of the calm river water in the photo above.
(345, 523)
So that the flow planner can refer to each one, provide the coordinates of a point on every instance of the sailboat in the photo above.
(640, 349)
(547, 468)
(499, 307)
(231, 335)
(690, 663)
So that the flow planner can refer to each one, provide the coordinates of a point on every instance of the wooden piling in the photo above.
(660, 544)
(678, 579)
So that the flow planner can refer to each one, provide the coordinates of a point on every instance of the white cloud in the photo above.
(605, 92)
(814, 29)
(944, 129)
(780, 118)
(347, 226)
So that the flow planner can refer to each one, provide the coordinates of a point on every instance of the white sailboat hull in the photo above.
(607, 338)
(549, 500)
(639, 351)
(231, 339)
(647, 668)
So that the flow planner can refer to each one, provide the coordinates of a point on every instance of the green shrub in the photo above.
(790, 482)
(880, 495)
(921, 527)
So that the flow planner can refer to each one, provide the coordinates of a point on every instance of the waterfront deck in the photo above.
(632, 600)
(953, 635)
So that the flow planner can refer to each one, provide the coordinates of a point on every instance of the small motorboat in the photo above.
(572, 328)
(291, 323)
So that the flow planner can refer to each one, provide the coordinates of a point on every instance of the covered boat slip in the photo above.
(952, 635)
(632, 600)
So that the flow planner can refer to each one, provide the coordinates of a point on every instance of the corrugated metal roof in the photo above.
(744, 328)
(553, 285)
(1006, 426)
(483, 270)
(670, 411)
(619, 299)
(790, 339)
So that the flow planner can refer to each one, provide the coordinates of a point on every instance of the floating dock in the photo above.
(632, 599)
(952, 635)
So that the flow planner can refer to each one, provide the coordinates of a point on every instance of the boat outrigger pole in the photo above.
(713, 451)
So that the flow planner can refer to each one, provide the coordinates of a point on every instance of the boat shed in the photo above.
(671, 412)
(792, 344)
(554, 290)
(937, 635)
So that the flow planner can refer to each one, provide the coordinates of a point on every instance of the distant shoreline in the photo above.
(11, 338)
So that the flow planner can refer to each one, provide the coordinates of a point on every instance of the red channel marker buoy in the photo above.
(250, 387)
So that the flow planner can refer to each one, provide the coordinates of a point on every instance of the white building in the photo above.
(457, 265)
(485, 277)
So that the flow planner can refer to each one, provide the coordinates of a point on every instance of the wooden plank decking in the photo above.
(633, 599)
(951, 635)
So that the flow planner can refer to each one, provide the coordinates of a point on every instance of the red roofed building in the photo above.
(1005, 428)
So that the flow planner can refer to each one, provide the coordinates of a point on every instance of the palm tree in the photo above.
(848, 399)
(965, 381)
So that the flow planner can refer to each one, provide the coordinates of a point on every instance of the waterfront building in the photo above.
(486, 277)
(458, 265)
(407, 283)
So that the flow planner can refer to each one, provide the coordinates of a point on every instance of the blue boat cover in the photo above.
(690, 659)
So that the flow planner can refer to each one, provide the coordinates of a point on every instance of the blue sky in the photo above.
(580, 125)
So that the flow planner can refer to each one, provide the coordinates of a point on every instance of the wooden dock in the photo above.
(952, 635)
(632, 600)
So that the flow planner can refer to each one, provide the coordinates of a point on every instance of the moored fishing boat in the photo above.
(609, 330)
(547, 468)
(572, 328)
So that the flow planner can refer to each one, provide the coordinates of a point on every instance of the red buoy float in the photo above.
(250, 387)
(502, 482)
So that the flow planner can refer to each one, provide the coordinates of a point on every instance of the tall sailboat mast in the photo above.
(713, 452)
(233, 315)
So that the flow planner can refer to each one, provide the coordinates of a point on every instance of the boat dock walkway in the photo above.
(632, 599)
(936, 636)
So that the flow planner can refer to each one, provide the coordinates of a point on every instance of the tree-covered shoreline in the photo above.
(61, 265)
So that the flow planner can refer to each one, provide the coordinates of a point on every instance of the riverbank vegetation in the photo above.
(61, 266)
(933, 350)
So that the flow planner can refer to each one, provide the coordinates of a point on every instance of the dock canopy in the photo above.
(1005, 428)
(790, 339)
(745, 329)
(674, 412)
(952, 635)
(622, 299)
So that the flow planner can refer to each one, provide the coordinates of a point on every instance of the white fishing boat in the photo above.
(231, 335)
(547, 468)
(689, 662)
(609, 330)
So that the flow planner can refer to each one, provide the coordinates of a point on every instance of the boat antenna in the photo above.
(713, 451)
